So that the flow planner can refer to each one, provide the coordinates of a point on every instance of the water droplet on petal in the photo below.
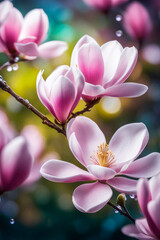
(118, 18)
(9, 68)
(116, 211)
(12, 221)
(132, 196)
(15, 67)
(119, 33)
(16, 59)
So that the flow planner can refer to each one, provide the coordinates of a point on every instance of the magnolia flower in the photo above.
(107, 164)
(5, 7)
(23, 37)
(104, 4)
(106, 68)
(148, 193)
(15, 163)
(61, 92)
(137, 22)
(36, 145)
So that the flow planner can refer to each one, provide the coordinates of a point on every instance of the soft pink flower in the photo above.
(108, 164)
(5, 8)
(20, 36)
(104, 4)
(106, 68)
(61, 92)
(15, 163)
(148, 193)
(137, 22)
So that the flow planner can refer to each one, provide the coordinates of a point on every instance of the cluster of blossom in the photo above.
(95, 71)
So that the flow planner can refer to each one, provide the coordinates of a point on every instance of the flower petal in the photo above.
(142, 226)
(15, 164)
(132, 231)
(40, 27)
(91, 64)
(88, 135)
(84, 40)
(9, 31)
(126, 90)
(40, 85)
(62, 97)
(154, 211)
(143, 195)
(153, 183)
(100, 172)
(52, 49)
(5, 8)
(129, 141)
(60, 171)
(124, 185)
(144, 167)
(125, 66)
(29, 49)
(91, 197)
(92, 90)
(111, 52)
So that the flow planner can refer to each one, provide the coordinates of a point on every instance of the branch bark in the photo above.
(4, 86)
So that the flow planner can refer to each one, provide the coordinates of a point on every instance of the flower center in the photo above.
(103, 156)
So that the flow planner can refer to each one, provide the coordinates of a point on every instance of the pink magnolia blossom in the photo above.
(137, 22)
(36, 145)
(106, 68)
(61, 92)
(104, 4)
(23, 36)
(15, 162)
(148, 193)
(107, 164)
(5, 8)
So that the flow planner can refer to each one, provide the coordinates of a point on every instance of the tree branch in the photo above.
(126, 213)
(86, 109)
(11, 62)
(4, 86)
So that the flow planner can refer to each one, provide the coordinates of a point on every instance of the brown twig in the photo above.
(126, 213)
(4, 86)
(86, 109)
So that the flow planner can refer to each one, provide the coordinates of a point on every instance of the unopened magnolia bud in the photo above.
(121, 200)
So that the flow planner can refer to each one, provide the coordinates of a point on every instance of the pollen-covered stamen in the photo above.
(103, 156)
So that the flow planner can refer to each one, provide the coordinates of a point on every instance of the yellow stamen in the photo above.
(103, 156)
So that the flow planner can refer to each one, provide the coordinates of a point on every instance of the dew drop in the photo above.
(132, 196)
(116, 211)
(9, 69)
(16, 59)
(119, 33)
(118, 18)
(15, 67)
(12, 221)
(26, 100)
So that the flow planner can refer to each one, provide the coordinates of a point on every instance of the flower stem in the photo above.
(4, 86)
(86, 109)
(126, 213)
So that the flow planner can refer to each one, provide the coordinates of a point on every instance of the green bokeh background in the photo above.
(44, 210)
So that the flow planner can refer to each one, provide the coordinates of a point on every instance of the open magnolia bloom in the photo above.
(106, 164)
(61, 91)
(106, 68)
(23, 37)
(148, 193)
(15, 162)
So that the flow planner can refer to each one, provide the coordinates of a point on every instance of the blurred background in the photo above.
(44, 210)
